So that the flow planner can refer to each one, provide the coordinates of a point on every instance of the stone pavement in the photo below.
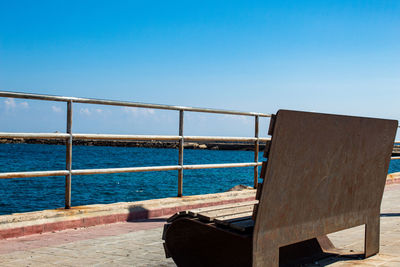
(119, 244)
(140, 244)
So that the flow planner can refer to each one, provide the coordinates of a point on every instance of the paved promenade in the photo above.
(140, 244)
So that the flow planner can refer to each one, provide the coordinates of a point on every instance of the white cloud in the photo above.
(56, 109)
(10, 103)
(85, 111)
(139, 111)
(94, 111)
(24, 105)
(130, 110)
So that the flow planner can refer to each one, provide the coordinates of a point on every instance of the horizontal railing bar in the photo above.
(218, 166)
(35, 135)
(8, 175)
(125, 103)
(127, 170)
(35, 96)
(128, 137)
(225, 138)
(125, 137)
(132, 137)
(161, 168)
(122, 170)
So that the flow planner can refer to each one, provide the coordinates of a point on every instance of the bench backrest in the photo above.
(324, 173)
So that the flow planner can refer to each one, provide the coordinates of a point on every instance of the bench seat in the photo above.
(237, 216)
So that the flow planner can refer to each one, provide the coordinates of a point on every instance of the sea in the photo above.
(39, 193)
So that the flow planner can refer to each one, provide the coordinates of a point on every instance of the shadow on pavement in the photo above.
(140, 214)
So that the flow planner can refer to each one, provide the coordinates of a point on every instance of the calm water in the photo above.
(29, 194)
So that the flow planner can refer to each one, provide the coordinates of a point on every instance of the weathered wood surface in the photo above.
(211, 215)
(194, 212)
(220, 212)
(325, 173)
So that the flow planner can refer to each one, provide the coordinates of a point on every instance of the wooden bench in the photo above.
(324, 173)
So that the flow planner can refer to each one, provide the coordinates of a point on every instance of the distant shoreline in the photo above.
(147, 144)
(241, 146)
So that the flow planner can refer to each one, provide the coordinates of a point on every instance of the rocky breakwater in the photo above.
(149, 144)
(396, 149)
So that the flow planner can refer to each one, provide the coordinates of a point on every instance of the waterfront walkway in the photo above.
(139, 243)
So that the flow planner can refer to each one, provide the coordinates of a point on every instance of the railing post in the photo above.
(256, 145)
(68, 160)
(180, 161)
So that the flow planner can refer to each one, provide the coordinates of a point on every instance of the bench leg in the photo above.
(371, 245)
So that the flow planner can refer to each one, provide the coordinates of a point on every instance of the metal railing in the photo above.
(69, 136)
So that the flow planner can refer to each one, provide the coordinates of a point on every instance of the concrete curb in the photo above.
(393, 178)
(22, 224)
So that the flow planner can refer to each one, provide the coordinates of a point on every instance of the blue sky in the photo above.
(326, 56)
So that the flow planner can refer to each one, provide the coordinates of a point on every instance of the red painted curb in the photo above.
(393, 181)
(107, 219)
(123, 217)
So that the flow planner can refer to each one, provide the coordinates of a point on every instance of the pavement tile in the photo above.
(140, 244)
